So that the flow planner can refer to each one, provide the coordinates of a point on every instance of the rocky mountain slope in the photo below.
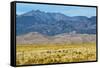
(51, 24)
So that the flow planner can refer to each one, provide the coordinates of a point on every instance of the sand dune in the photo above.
(34, 37)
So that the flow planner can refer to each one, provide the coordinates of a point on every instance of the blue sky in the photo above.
(67, 10)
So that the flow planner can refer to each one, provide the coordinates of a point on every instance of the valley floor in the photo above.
(54, 53)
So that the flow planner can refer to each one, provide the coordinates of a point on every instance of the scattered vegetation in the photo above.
(54, 53)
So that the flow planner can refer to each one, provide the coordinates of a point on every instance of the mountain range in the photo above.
(50, 24)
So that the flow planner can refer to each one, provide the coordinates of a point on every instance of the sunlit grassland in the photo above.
(54, 53)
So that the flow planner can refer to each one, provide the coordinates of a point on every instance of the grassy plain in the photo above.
(54, 53)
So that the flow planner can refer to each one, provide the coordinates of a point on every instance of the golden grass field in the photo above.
(54, 53)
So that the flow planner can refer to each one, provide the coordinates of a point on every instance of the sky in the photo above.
(22, 8)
